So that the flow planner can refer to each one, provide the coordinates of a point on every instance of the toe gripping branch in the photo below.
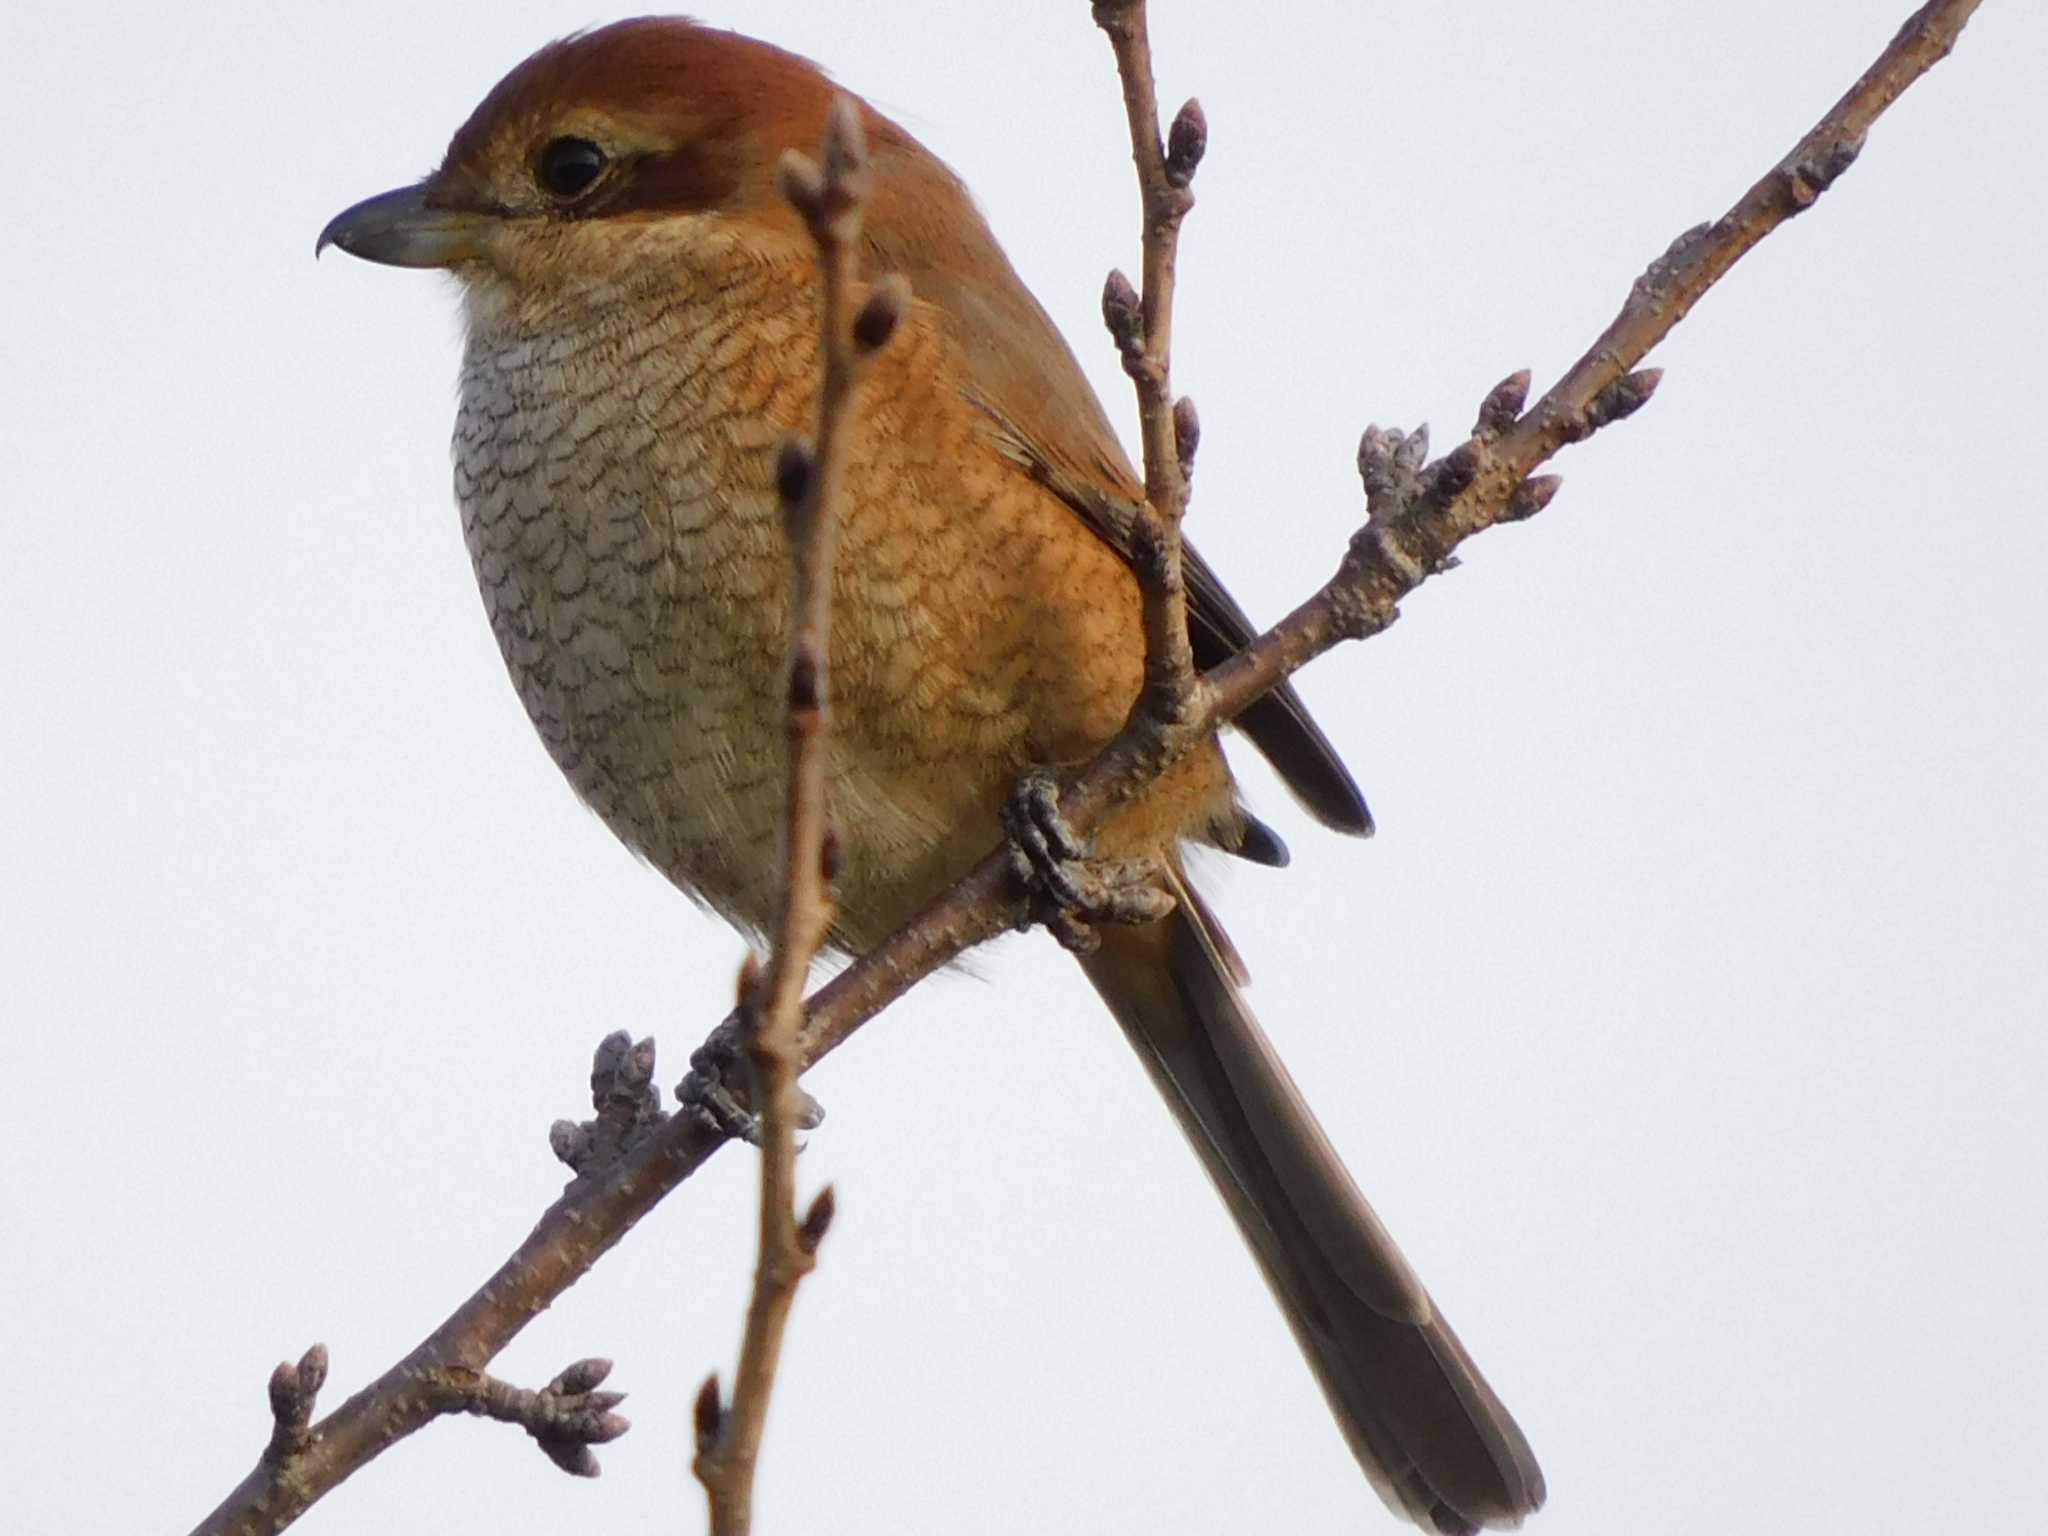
(1071, 889)
(716, 1089)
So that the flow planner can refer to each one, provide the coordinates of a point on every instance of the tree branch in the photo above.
(771, 1006)
(1416, 517)
(566, 1417)
(1417, 514)
(1142, 326)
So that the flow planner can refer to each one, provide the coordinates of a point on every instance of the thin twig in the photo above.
(1142, 325)
(1420, 515)
(771, 1006)
(566, 1417)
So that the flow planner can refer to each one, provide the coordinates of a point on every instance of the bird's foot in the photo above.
(1073, 890)
(715, 1090)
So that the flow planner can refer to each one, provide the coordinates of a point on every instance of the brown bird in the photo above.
(641, 318)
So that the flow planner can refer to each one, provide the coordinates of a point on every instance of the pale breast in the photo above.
(614, 473)
(629, 563)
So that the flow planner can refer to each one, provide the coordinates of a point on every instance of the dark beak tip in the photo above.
(339, 232)
(334, 233)
(394, 230)
(398, 229)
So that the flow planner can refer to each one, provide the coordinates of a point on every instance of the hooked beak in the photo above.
(399, 229)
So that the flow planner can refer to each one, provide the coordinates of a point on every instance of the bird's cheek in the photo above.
(515, 266)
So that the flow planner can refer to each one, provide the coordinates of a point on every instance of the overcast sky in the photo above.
(1687, 1020)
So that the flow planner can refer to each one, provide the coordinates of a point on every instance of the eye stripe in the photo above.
(704, 173)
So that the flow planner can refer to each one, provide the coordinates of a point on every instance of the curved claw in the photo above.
(715, 1066)
(1072, 890)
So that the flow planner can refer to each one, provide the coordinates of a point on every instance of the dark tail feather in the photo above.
(1278, 724)
(1423, 1423)
(1280, 727)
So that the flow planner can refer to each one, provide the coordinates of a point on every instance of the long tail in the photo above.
(1422, 1421)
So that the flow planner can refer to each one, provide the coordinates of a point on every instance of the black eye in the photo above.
(570, 167)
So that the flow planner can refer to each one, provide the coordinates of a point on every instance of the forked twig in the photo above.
(1141, 324)
(808, 477)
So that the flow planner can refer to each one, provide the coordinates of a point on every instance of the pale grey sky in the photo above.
(1685, 1020)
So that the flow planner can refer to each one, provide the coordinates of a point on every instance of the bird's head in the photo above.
(641, 130)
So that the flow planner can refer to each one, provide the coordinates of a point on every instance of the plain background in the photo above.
(1685, 1020)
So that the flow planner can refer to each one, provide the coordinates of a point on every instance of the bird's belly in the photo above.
(636, 583)
(669, 754)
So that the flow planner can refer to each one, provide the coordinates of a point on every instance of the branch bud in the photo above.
(879, 316)
(1123, 312)
(1186, 142)
(1412, 452)
(846, 143)
(284, 1392)
(570, 1143)
(806, 674)
(802, 182)
(1187, 435)
(1452, 474)
(572, 1456)
(709, 1414)
(817, 1221)
(1623, 398)
(1376, 459)
(1531, 497)
(313, 1372)
(577, 1379)
(1503, 405)
(793, 465)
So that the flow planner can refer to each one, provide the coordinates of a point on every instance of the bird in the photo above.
(640, 311)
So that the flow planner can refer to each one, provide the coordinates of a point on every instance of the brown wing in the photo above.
(1047, 419)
